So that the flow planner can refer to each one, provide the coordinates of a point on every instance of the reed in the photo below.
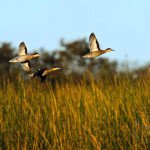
(112, 114)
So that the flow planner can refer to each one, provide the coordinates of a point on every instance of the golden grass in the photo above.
(95, 115)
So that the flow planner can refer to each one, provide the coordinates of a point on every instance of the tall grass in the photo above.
(111, 114)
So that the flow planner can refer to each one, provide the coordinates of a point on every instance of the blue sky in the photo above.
(122, 25)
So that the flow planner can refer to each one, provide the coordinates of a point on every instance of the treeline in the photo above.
(70, 60)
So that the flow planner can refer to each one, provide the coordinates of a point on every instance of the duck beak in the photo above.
(113, 50)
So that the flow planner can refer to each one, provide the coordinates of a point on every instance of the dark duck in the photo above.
(43, 72)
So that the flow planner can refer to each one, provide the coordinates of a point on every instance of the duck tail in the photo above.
(14, 60)
(31, 75)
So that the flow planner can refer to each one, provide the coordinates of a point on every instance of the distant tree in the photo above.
(6, 53)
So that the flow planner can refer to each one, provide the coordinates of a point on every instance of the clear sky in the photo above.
(123, 25)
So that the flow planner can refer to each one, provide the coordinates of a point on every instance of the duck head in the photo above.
(109, 50)
(35, 55)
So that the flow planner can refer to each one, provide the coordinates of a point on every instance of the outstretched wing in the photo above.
(22, 49)
(26, 66)
(93, 43)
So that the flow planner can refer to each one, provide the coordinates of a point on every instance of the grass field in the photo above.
(113, 114)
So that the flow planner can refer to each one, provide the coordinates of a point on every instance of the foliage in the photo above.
(110, 114)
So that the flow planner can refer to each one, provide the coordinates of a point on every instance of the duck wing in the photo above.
(93, 43)
(22, 49)
(26, 66)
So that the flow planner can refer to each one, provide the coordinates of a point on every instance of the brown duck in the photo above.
(23, 57)
(94, 47)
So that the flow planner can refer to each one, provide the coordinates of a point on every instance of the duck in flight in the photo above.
(23, 57)
(43, 72)
(94, 47)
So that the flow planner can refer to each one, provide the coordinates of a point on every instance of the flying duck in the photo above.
(23, 57)
(43, 72)
(94, 47)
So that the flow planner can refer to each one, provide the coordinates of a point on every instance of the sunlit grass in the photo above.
(94, 115)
